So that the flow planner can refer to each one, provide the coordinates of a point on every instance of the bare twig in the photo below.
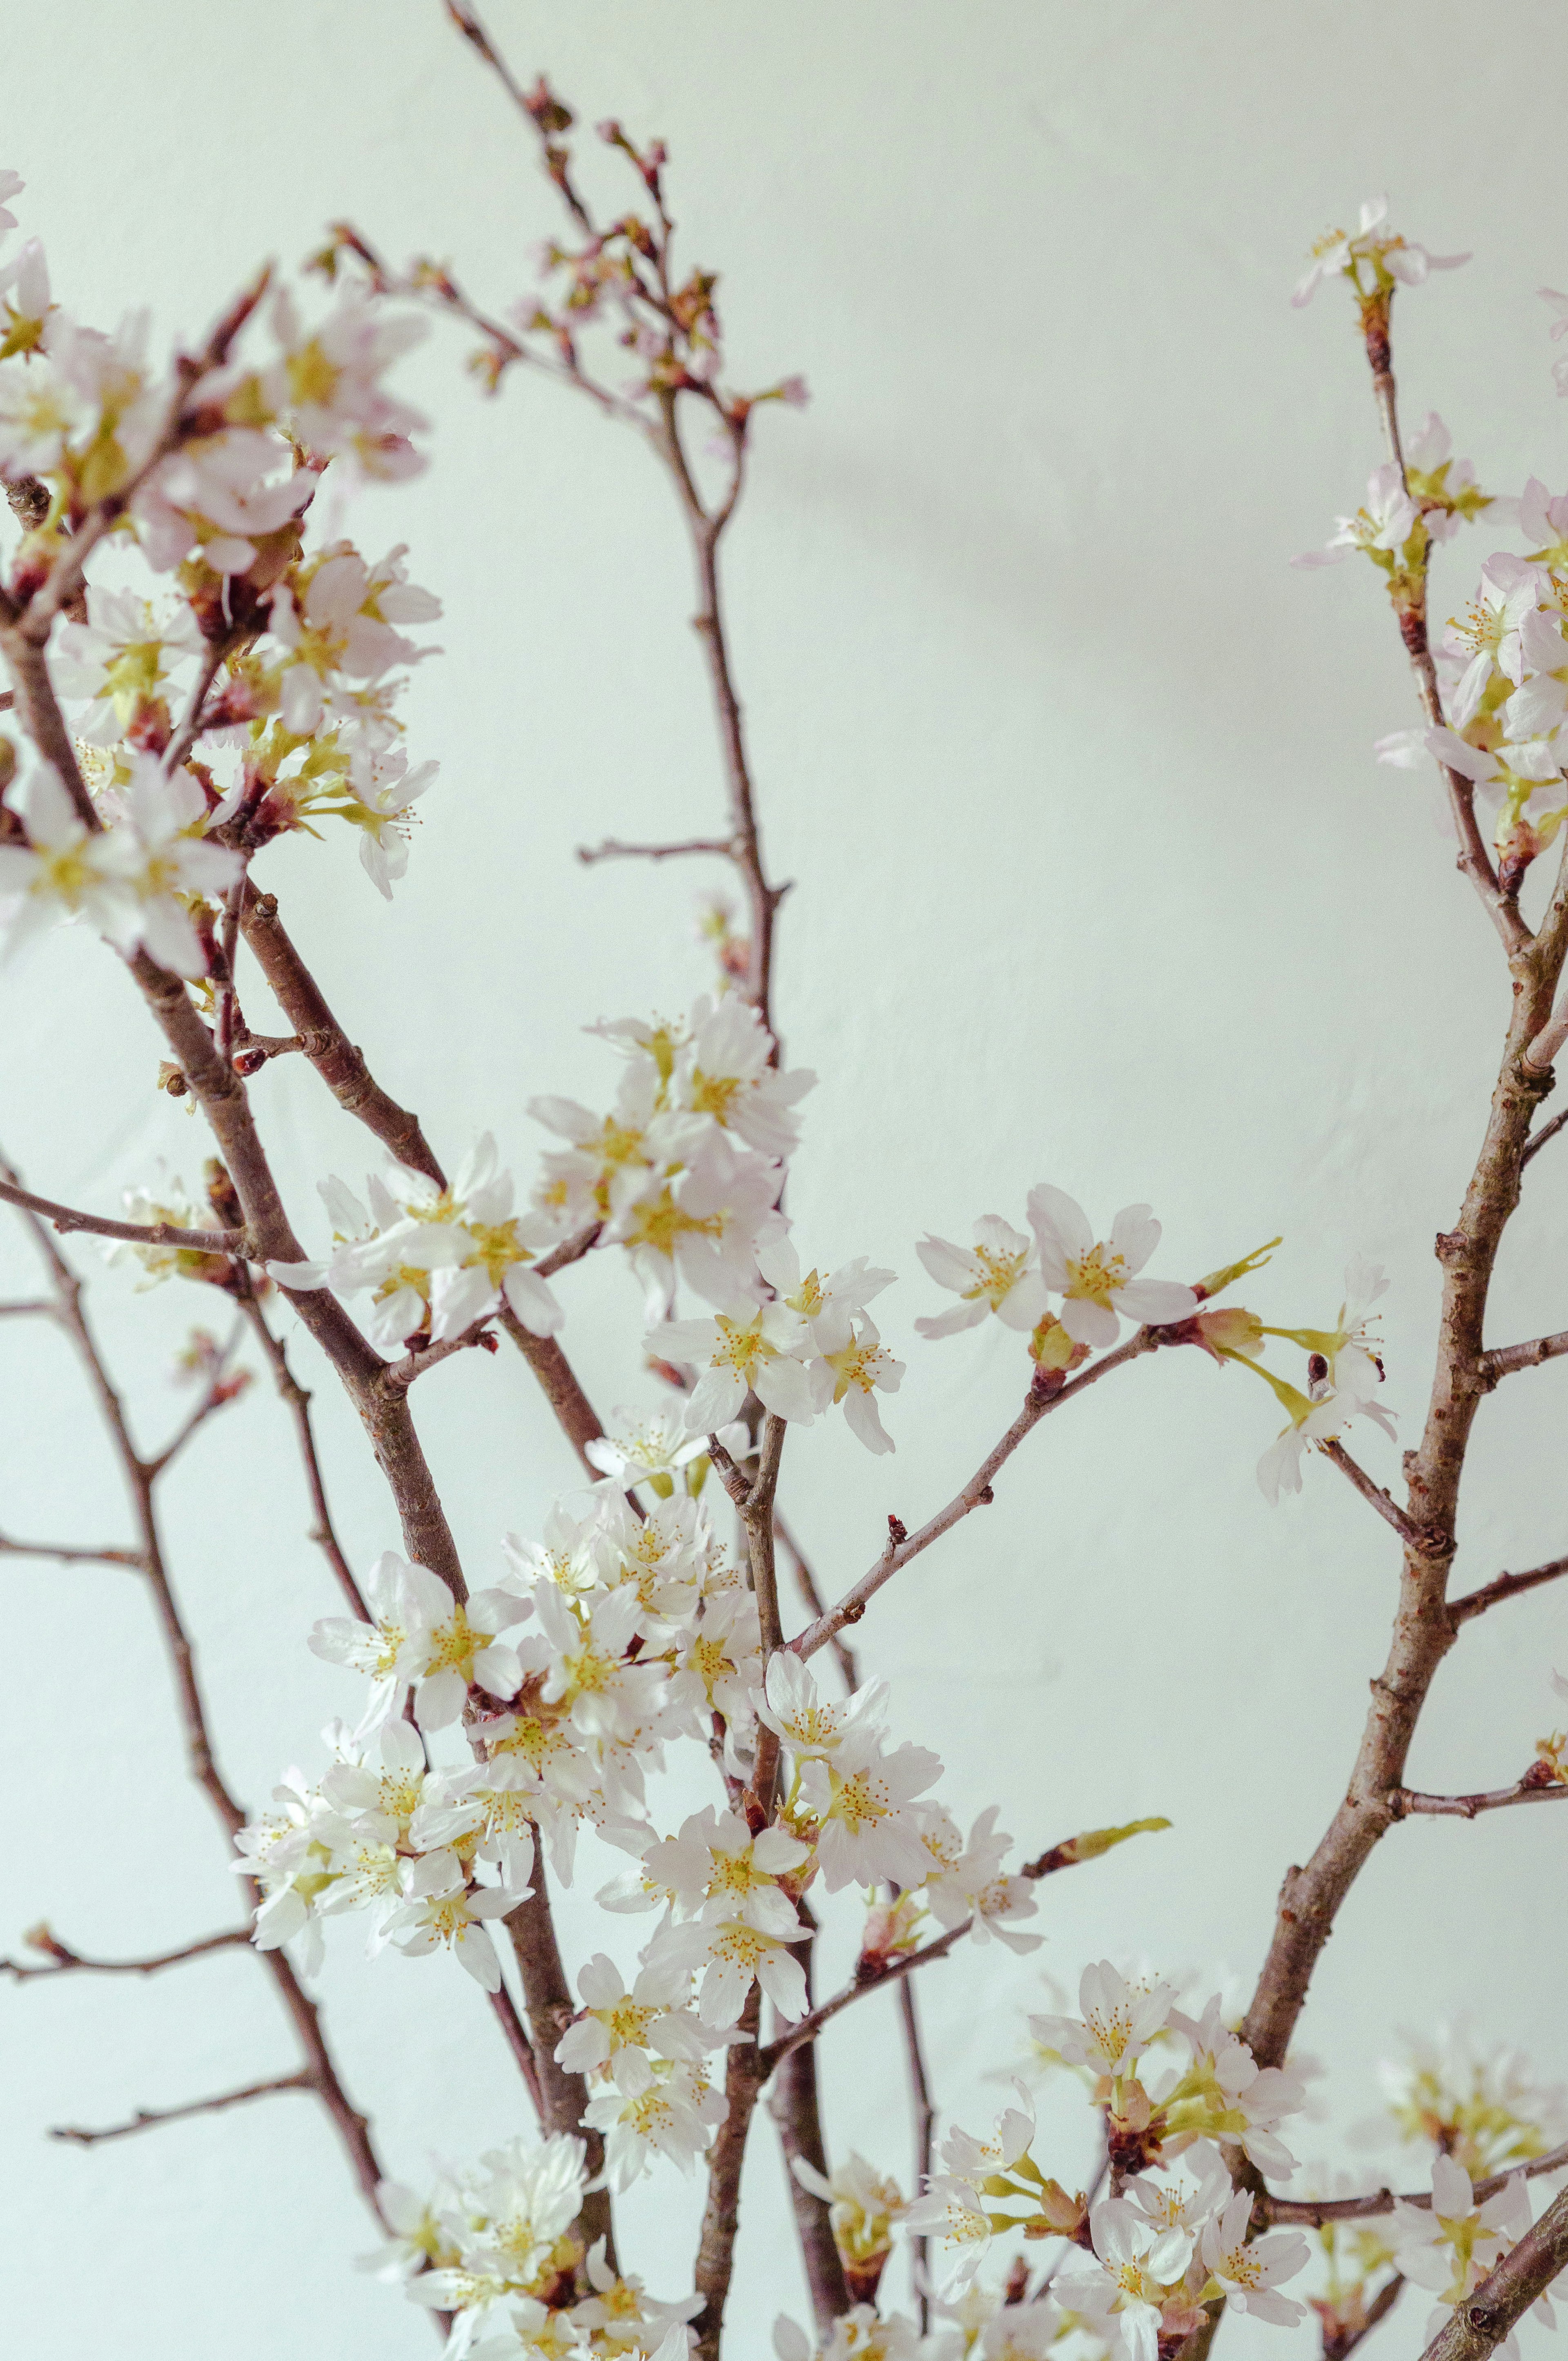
(812, 2023)
(62, 1961)
(66, 1218)
(1340, 2347)
(1480, 2324)
(320, 2071)
(1504, 1586)
(925, 2124)
(1313, 2212)
(1372, 1493)
(66, 1554)
(1539, 1139)
(148, 2119)
(322, 1531)
(815, 1607)
(613, 850)
(1509, 1358)
(976, 1493)
(1546, 1043)
(1527, 1790)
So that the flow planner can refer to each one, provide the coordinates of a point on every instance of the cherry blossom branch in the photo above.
(1504, 1586)
(1509, 1358)
(62, 1961)
(1423, 1629)
(977, 1493)
(1527, 1790)
(1479, 2323)
(1314, 2212)
(1537, 1140)
(1372, 1493)
(66, 1218)
(1473, 859)
(148, 2119)
(65, 576)
(613, 850)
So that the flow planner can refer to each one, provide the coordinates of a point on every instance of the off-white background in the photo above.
(1096, 882)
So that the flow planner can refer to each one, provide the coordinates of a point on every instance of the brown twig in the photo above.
(298, 1400)
(1537, 1140)
(976, 1493)
(613, 850)
(1313, 2212)
(62, 1961)
(549, 2008)
(1372, 1493)
(812, 2023)
(1340, 2347)
(925, 2125)
(806, 1581)
(795, 2106)
(744, 2078)
(320, 2069)
(1527, 1790)
(65, 1553)
(1501, 1587)
(516, 2033)
(1503, 1362)
(66, 1218)
(1478, 2325)
(148, 2119)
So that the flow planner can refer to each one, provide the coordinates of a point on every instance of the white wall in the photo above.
(1097, 882)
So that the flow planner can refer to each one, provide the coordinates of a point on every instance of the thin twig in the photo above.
(320, 2071)
(1539, 1139)
(976, 1493)
(1313, 2212)
(1509, 1358)
(1501, 1587)
(322, 1531)
(66, 1218)
(814, 1606)
(148, 2119)
(65, 1553)
(812, 2023)
(1373, 1493)
(925, 2124)
(1476, 2326)
(1339, 2348)
(1527, 1790)
(62, 1961)
(613, 850)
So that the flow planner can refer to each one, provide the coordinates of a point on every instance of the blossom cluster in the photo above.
(495, 2246)
(282, 658)
(615, 1635)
